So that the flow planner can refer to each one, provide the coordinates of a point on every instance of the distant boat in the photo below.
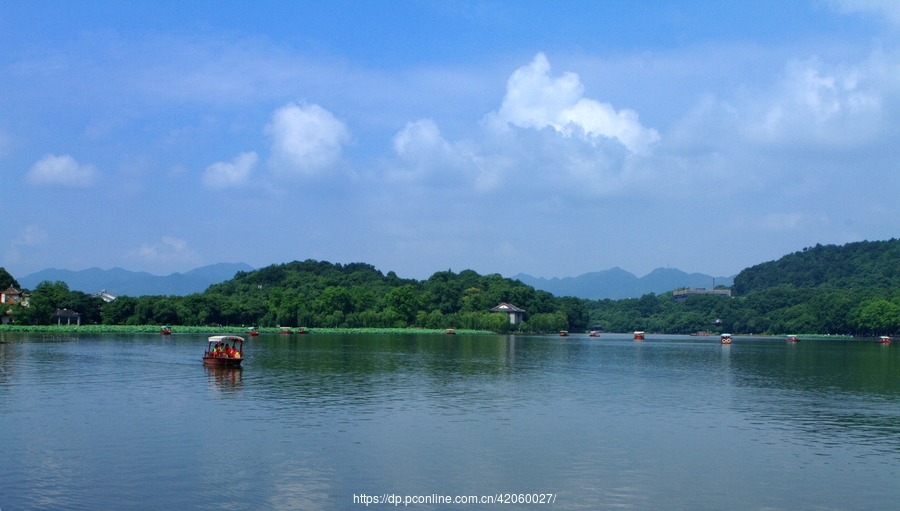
(639, 336)
(285, 330)
(449, 331)
(165, 330)
(725, 338)
(594, 333)
(791, 338)
(701, 333)
(301, 330)
(884, 339)
(252, 331)
(563, 333)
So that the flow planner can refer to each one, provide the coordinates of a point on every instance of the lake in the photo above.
(327, 421)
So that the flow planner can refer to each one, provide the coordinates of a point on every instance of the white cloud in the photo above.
(535, 99)
(169, 250)
(890, 9)
(28, 237)
(62, 170)
(306, 140)
(222, 175)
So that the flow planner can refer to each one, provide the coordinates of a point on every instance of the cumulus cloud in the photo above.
(168, 251)
(221, 175)
(306, 140)
(535, 99)
(28, 237)
(52, 170)
(890, 9)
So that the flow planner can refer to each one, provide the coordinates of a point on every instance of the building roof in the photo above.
(66, 313)
(506, 307)
(12, 291)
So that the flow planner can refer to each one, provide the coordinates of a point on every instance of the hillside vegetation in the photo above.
(827, 289)
(321, 294)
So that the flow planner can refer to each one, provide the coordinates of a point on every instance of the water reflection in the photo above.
(224, 379)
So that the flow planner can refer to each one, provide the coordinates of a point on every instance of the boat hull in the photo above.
(222, 361)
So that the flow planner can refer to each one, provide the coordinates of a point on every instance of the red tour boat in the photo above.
(639, 336)
(220, 353)
(449, 331)
(725, 338)
(165, 330)
(594, 333)
(884, 339)
(792, 338)
(285, 330)
(252, 331)
(301, 330)
(564, 333)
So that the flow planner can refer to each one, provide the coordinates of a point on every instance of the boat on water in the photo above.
(884, 339)
(639, 336)
(701, 333)
(252, 331)
(165, 330)
(594, 333)
(791, 338)
(285, 330)
(220, 353)
(449, 331)
(725, 338)
(563, 333)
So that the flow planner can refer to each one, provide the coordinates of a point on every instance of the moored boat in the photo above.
(884, 339)
(639, 336)
(791, 338)
(725, 338)
(701, 333)
(220, 353)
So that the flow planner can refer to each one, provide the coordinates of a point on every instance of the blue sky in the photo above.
(551, 138)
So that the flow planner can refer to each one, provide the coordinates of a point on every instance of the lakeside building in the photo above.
(515, 314)
(682, 294)
(10, 297)
(67, 316)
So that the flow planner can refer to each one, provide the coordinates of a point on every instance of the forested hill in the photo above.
(864, 264)
(322, 294)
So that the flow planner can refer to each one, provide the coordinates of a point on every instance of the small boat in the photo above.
(165, 330)
(725, 338)
(791, 338)
(594, 333)
(449, 331)
(220, 353)
(252, 331)
(301, 330)
(285, 330)
(639, 336)
(701, 333)
(884, 339)
(563, 333)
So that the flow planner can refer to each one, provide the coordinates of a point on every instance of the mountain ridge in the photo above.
(137, 283)
(616, 283)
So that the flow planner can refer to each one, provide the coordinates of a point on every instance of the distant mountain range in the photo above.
(131, 283)
(617, 283)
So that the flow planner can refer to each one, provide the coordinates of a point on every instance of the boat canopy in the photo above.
(226, 338)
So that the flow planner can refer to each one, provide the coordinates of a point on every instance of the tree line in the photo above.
(322, 294)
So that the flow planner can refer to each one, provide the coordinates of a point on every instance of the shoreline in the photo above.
(151, 329)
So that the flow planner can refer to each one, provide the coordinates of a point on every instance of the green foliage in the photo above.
(866, 264)
(7, 280)
(319, 294)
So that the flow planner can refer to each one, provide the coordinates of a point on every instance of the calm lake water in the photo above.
(671, 423)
